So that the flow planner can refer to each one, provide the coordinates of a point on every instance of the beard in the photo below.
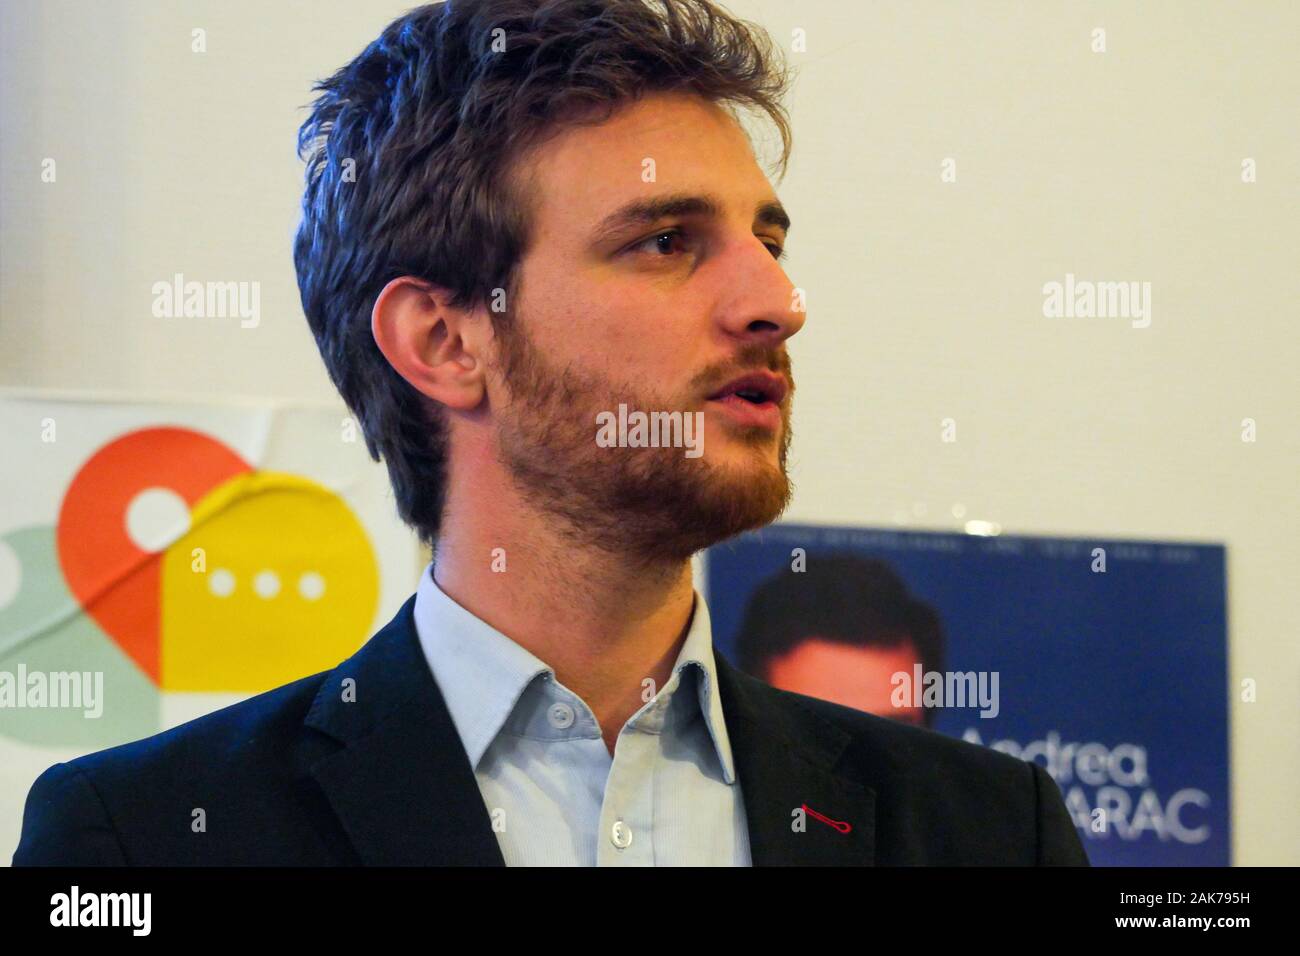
(653, 504)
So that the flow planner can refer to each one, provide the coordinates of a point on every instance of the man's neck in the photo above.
(604, 622)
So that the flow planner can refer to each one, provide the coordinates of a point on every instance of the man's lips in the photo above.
(753, 399)
(761, 415)
(756, 387)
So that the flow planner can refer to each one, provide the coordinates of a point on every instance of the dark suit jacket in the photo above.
(301, 776)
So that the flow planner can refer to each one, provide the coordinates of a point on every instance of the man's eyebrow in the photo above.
(643, 212)
(772, 213)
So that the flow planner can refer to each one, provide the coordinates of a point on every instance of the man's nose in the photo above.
(760, 304)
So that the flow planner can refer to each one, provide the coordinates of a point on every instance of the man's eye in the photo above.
(778, 253)
(658, 239)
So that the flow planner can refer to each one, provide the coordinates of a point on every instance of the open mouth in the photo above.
(753, 401)
(757, 388)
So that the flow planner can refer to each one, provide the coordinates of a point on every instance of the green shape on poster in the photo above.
(46, 638)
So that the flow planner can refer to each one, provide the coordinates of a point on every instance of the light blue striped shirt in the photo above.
(668, 797)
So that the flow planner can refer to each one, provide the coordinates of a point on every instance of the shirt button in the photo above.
(560, 715)
(621, 835)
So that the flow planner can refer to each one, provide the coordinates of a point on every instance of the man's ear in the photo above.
(431, 344)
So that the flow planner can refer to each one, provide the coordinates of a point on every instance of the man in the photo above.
(523, 220)
(841, 629)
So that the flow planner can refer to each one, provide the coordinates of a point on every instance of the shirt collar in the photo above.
(483, 674)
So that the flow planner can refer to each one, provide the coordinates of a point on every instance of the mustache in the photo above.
(751, 358)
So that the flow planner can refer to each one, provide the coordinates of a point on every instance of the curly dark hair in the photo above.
(411, 150)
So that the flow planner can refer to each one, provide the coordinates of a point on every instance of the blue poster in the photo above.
(1103, 661)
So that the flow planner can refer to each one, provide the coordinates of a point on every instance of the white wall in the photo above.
(924, 298)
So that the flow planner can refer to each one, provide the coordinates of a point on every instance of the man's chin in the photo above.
(748, 494)
(744, 459)
(673, 514)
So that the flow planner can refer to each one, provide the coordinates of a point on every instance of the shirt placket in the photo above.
(626, 833)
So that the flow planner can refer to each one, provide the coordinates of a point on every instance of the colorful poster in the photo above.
(1103, 661)
(159, 561)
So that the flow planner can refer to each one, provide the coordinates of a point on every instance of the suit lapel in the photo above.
(401, 785)
(785, 757)
(404, 792)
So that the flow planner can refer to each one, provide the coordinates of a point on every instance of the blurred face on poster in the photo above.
(844, 628)
(858, 676)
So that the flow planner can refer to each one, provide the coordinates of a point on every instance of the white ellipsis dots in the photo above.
(221, 582)
(266, 584)
(311, 586)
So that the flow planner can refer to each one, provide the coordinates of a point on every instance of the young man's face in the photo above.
(621, 313)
